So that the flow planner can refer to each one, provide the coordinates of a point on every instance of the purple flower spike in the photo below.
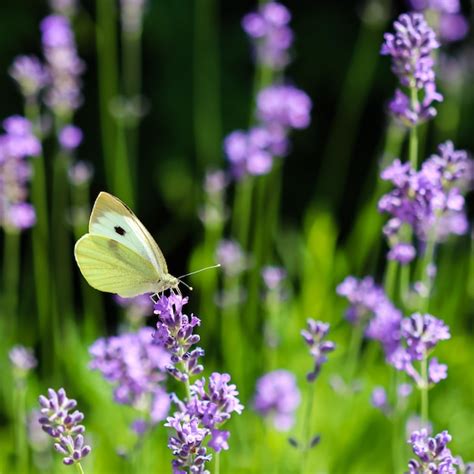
(433, 454)
(70, 137)
(411, 49)
(314, 336)
(30, 75)
(402, 253)
(57, 421)
(271, 35)
(22, 359)
(277, 397)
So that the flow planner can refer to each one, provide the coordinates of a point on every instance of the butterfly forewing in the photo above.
(113, 219)
(110, 266)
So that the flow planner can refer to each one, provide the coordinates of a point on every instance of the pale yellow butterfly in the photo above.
(119, 255)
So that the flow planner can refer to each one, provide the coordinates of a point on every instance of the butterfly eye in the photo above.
(120, 230)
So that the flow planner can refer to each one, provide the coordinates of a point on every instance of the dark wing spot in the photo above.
(119, 230)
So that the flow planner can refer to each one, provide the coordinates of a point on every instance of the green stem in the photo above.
(79, 467)
(413, 141)
(107, 70)
(307, 427)
(217, 463)
(390, 278)
(357, 336)
(11, 271)
(424, 390)
(21, 444)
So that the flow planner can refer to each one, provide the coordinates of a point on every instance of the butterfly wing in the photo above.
(113, 267)
(113, 219)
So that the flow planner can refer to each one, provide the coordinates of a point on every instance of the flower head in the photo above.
(271, 35)
(136, 365)
(231, 257)
(273, 277)
(433, 454)
(70, 137)
(314, 335)
(277, 397)
(30, 75)
(57, 421)
(22, 359)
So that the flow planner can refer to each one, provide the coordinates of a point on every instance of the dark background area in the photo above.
(325, 35)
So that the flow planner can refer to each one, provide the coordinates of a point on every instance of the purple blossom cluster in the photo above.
(272, 37)
(30, 75)
(57, 421)
(369, 305)
(16, 145)
(279, 107)
(22, 359)
(231, 257)
(451, 24)
(273, 277)
(136, 308)
(430, 201)
(314, 336)
(136, 365)
(419, 334)
(433, 454)
(63, 65)
(199, 418)
(277, 397)
(411, 49)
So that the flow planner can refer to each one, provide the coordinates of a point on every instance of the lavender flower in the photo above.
(30, 75)
(132, 15)
(205, 409)
(379, 398)
(402, 252)
(285, 106)
(136, 365)
(137, 308)
(15, 146)
(433, 454)
(271, 35)
(70, 137)
(273, 277)
(251, 153)
(63, 426)
(22, 359)
(277, 397)
(314, 336)
(64, 65)
(80, 173)
(231, 257)
(451, 24)
(411, 49)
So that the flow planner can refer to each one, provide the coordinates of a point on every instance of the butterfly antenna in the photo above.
(185, 284)
(217, 265)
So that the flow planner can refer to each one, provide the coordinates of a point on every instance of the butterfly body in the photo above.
(119, 255)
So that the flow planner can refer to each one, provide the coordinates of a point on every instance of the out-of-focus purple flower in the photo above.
(174, 332)
(404, 390)
(64, 65)
(38, 439)
(136, 365)
(231, 257)
(273, 277)
(80, 173)
(63, 426)
(451, 24)
(70, 137)
(215, 182)
(422, 332)
(379, 398)
(432, 453)
(402, 253)
(314, 335)
(218, 441)
(15, 146)
(285, 106)
(64, 7)
(22, 359)
(415, 423)
(252, 153)
(132, 15)
(437, 371)
(272, 37)
(411, 49)
(137, 308)
(277, 397)
(30, 75)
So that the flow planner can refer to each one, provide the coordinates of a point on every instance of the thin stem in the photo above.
(11, 271)
(21, 444)
(307, 426)
(424, 390)
(413, 141)
(217, 462)
(390, 278)
(79, 467)
(357, 336)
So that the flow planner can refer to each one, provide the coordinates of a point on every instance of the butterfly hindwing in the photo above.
(110, 266)
(113, 219)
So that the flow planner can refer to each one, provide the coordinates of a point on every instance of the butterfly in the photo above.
(119, 255)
